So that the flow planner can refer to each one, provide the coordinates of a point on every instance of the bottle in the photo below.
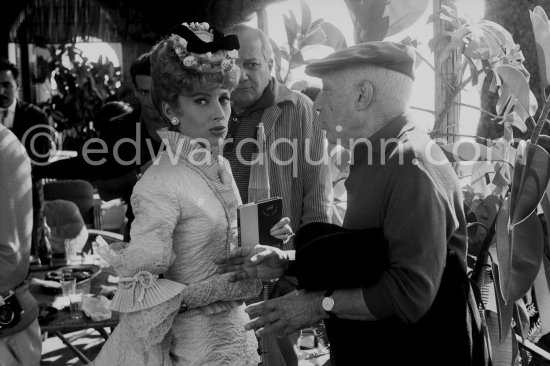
(258, 185)
(44, 247)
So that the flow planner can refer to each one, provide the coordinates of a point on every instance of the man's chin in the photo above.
(242, 97)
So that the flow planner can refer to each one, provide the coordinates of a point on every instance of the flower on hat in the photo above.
(189, 61)
(196, 26)
(233, 54)
(209, 61)
(181, 42)
(226, 64)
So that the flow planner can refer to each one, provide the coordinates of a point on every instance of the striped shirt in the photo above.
(242, 127)
(293, 137)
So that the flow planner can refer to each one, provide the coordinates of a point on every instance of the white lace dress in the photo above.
(185, 209)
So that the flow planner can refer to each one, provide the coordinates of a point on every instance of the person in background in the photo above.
(30, 125)
(132, 144)
(20, 341)
(287, 115)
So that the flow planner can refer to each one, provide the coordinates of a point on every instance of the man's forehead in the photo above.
(6, 75)
(250, 49)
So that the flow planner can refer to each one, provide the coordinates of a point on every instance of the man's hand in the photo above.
(282, 230)
(287, 314)
(261, 262)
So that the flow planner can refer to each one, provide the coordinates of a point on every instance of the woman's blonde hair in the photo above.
(172, 78)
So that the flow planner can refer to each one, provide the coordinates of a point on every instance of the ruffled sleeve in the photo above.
(149, 254)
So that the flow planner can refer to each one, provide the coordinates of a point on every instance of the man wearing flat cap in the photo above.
(401, 186)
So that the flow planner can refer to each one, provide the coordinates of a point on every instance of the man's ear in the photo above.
(364, 95)
(270, 64)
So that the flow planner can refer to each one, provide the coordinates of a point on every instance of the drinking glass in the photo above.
(71, 251)
(68, 286)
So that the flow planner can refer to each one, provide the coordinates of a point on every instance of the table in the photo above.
(62, 321)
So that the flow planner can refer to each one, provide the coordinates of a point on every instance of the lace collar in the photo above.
(184, 148)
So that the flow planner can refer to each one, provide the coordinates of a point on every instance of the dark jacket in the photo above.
(115, 176)
(29, 120)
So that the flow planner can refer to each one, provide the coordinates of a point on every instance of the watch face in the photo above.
(328, 304)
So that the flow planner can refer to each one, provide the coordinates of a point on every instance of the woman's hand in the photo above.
(260, 262)
(282, 230)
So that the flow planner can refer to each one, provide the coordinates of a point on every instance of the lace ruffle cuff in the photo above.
(143, 291)
(139, 285)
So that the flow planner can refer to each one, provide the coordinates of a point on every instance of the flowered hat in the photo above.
(202, 48)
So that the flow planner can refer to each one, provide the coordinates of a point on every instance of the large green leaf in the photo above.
(531, 177)
(502, 351)
(369, 19)
(542, 292)
(404, 13)
(489, 40)
(505, 310)
(291, 27)
(296, 60)
(315, 36)
(456, 42)
(513, 79)
(306, 17)
(541, 29)
(333, 36)
(545, 204)
(277, 58)
(519, 253)
(505, 95)
(316, 22)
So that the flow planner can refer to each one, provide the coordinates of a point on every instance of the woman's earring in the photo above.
(175, 121)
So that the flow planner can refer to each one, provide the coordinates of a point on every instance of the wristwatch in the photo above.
(328, 303)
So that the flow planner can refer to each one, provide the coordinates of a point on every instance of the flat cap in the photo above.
(393, 56)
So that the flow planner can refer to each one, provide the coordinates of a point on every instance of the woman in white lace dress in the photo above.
(185, 209)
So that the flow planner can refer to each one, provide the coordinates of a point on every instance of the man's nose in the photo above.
(244, 75)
